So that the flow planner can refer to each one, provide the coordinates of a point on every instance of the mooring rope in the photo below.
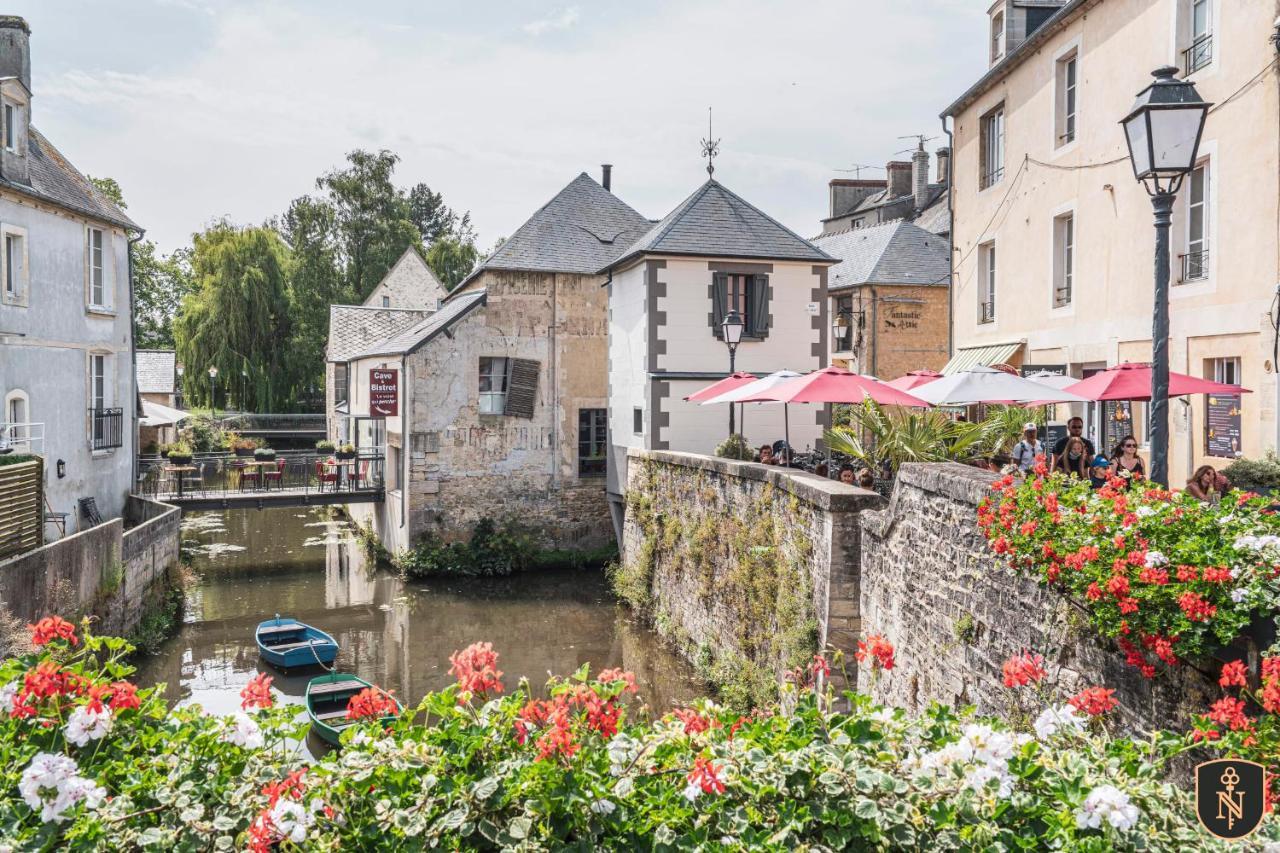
(311, 645)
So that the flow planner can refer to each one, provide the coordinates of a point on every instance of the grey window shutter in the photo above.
(759, 306)
(719, 281)
(522, 388)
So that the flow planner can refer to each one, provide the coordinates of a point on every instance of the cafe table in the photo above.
(178, 471)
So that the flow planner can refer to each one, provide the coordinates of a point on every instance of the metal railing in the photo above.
(22, 438)
(302, 422)
(987, 312)
(1062, 296)
(106, 428)
(298, 472)
(1195, 266)
(989, 178)
(1198, 55)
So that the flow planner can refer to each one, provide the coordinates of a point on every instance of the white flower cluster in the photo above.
(623, 752)
(981, 755)
(604, 808)
(1155, 559)
(291, 820)
(86, 724)
(1107, 803)
(52, 783)
(1053, 720)
(241, 730)
(1146, 511)
(7, 694)
(1257, 543)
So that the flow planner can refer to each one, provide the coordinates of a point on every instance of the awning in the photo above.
(987, 356)
(155, 414)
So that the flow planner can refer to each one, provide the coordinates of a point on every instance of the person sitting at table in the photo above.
(867, 479)
(1074, 458)
(847, 475)
(1203, 485)
(1125, 461)
(765, 454)
(1099, 470)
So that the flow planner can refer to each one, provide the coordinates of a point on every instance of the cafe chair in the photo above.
(276, 476)
(248, 475)
(323, 475)
(357, 475)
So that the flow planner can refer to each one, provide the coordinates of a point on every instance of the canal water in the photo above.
(252, 564)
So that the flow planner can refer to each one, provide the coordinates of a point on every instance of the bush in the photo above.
(91, 762)
(203, 433)
(16, 458)
(178, 448)
(324, 445)
(1258, 475)
(735, 447)
(491, 551)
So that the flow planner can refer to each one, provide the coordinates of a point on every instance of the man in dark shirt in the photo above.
(1075, 429)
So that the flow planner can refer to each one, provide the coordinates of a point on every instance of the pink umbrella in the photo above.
(1131, 381)
(736, 380)
(914, 379)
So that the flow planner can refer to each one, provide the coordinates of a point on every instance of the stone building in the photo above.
(66, 336)
(669, 292)
(905, 193)
(504, 389)
(157, 377)
(888, 298)
(1054, 236)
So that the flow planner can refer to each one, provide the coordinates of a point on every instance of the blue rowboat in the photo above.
(327, 698)
(286, 643)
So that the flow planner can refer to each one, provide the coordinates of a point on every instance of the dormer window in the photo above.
(10, 128)
(997, 37)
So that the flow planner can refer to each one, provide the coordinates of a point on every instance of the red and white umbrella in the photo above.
(1132, 381)
(914, 379)
(836, 385)
(715, 389)
(984, 385)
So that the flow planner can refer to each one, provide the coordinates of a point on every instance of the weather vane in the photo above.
(710, 147)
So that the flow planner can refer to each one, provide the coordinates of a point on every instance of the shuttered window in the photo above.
(522, 393)
(508, 386)
(746, 294)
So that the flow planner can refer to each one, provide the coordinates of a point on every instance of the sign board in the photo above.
(815, 309)
(1222, 425)
(1117, 422)
(384, 392)
(1055, 369)
(1054, 431)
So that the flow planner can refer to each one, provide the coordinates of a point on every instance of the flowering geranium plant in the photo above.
(1168, 577)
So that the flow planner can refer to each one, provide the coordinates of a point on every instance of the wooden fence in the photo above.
(21, 506)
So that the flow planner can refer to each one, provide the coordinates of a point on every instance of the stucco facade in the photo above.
(1220, 304)
(408, 284)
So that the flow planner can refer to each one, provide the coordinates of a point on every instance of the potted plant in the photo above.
(264, 454)
(179, 453)
(346, 451)
(244, 446)
(324, 445)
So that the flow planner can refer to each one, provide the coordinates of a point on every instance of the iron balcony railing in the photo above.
(1062, 296)
(1195, 266)
(107, 428)
(298, 472)
(987, 312)
(1198, 55)
(988, 178)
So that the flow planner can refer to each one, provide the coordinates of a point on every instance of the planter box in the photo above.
(264, 457)
(345, 454)
(244, 451)
(179, 460)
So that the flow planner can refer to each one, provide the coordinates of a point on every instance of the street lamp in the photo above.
(1163, 132)
(731, 328)
(213, 390)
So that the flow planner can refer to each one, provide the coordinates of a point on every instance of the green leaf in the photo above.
(519, 827)
(866, 809)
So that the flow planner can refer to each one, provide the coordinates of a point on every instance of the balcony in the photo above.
(1198, 55)
(106, 428)
(987, 312)
(1062, 296)
(1195, 266)
(991, 177)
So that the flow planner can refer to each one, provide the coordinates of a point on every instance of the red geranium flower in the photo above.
(52, 628)
(877, 650)
(1229, 712)
(1187, 574)
(476, 668)
(124, 696)
(1094, 701)
(371, 703)
(1234, 674)
(1217, 574)
(257, 693)
(1196, 608)
(609, 676)
(706, 775)
(1023, 669)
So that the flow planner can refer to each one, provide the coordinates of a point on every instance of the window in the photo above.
(386, 302)
(1226, 370)
(98, 381)
(1195, 263)
(844, 322)
(15, 267)
(97, 272)
(10, 128)
(393, 468)
(746, 294)
(593, 432)
(340, 384)
(1199, 35)
(997, 36)
(987, 283)
(992, 147)
(106, 424)
(1064, 258)
(637, 421)
(493, 385)
(1065, 125)
(17, 415)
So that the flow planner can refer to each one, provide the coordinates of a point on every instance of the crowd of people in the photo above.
(779, 454)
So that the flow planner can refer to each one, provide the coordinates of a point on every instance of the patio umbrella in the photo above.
(715, 389)
(745, 389)
(1131, 381)
(1053, 380)
(155, 414)
(984, 385)
(914, 379)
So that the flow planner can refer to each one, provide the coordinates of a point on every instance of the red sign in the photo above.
(384, 392)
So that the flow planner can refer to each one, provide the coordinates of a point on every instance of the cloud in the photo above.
(563, 21)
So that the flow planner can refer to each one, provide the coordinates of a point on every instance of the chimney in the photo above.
(15, 51)
(944, 165)
(606, 176)
(920, 177)
(899, 178)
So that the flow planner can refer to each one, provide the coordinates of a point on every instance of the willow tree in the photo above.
(238, 320)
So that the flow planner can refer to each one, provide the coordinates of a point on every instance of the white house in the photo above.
(66, 341)
(668, 293)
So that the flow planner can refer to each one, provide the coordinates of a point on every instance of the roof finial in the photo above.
(710, 148)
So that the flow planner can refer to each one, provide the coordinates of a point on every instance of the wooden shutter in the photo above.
(522, 388)
(719, 282)
(759, 306)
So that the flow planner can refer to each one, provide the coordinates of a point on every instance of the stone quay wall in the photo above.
(745, 566)
(955, 612)
(108, 570)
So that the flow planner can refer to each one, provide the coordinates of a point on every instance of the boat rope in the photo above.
(311, 644)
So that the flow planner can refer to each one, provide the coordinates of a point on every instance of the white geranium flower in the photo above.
(241, 730)
(623, 750)
(1107, 803)
(1145, 511)
(52, 784)
(602, 807)
(7, 694)
(1224, 519)
(291, 820)
(623, 786)
(883, 716)
(1053, 720)
(1238, 595)
(692, 791)
(1155, 559)
(980, 776)
(86, 724)
(1235, 572)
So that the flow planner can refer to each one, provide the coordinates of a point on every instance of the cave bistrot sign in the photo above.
(384, 392)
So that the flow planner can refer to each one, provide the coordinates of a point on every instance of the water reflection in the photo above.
(251, 564)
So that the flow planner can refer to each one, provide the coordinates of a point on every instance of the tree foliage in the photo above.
(450, 259)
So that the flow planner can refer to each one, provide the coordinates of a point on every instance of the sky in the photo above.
(209, 108)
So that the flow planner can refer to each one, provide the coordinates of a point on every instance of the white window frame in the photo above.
(98, 294)
(1066, 100)
(991, 139)
(99, 389)
(999, 29)
(1226, 370)
(1183, 36)
(15, 284)
(14, 434)
(10, 128)
(988, 279)
(1203, 243)
(1064, 239)
(491, 401)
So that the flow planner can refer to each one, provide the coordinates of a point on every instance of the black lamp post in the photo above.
(213, 390)
(1163, 131)
(731, 328)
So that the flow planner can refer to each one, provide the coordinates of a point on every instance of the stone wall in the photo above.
(743, 565)
(955, 612)
(106, 570)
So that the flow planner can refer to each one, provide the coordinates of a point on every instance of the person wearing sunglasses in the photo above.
(1125, 459)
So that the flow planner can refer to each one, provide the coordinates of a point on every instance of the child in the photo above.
(1098, 471)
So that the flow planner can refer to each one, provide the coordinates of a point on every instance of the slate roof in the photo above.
(881, 199)
(580, 230)
(935, 218)
(454, 310)
(156, 371)
(896, 252)
(717, 222)
(352, 328)
(54, 179)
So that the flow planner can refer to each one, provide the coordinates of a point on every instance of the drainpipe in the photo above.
(406, 423)
(555, 382)
(133, 362)
(1275, 342)
(875, 331)
(951, 239)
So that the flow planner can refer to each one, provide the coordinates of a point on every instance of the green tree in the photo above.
(111, 189)
(316, 281)
(451, 259)
(238, 318)
(435, 219)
